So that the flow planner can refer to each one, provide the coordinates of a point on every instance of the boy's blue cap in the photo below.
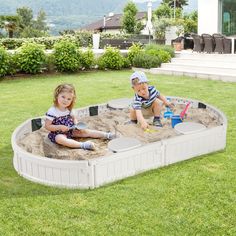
(140, 76)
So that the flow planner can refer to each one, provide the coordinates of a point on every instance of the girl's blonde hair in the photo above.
(69, 88)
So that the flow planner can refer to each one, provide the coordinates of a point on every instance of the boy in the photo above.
(146, 101)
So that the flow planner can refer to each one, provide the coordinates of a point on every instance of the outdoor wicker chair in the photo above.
(227, 45)
(198, 44)
(209, 44)
(219, 43)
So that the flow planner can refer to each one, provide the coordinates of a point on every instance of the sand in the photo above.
(114, 121)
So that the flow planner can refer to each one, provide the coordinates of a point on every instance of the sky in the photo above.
(192, 4)
(144, 0)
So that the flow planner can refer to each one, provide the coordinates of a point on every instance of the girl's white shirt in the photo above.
(55, 112)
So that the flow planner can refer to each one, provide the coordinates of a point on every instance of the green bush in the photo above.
(81, 38)
(152, 52)
(157, 47)
(12, 43)
(87, 59)
(164, 56)
(13, 67)
(4, 62)
(66, 56)
(111, 59)
(48, 42)
(133, 51)
(144, 60)
(31, 58)
(127, 63)
(84, 38)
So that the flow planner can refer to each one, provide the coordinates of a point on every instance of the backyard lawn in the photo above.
(194, 197)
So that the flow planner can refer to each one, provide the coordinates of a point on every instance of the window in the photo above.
(229, 17)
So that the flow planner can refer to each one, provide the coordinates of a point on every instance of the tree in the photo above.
(40, 23)
(10, 24)
(28, 27)
(163, 18)
(177, 3)
(25, 15)
(129, 17)
(190, 22)
(165, 11)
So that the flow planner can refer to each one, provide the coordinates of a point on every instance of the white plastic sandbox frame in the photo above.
(102, 170)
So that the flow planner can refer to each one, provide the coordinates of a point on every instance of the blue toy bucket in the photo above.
(175, 120)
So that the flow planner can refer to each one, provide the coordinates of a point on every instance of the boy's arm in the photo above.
(141, 120)
(166, 102)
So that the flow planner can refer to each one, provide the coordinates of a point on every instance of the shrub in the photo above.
(111, 59)
(152, 52)
(4, 62)
(11, 43)
(157, 47)
(168, 49)
(31, 57)
(164, 56)
(127, 63)
(133, 51)
(144, 60)
(87, 59)
(48, 42)
(84, 38)
(66, 56)
(13, 67)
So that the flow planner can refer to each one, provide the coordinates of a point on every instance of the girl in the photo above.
(60, 118)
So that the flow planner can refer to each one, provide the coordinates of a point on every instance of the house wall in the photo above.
(112, 31)
(208, 16)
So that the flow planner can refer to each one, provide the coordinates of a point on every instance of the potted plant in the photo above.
(178, 43)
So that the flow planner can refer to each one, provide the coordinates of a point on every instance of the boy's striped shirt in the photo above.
(140, 102)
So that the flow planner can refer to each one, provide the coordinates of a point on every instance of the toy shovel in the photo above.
(79, 126)
(184, 111)
(168, 113)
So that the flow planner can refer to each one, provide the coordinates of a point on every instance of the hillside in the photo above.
(72, 14)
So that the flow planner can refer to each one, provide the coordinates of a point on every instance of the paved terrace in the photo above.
(200, 65)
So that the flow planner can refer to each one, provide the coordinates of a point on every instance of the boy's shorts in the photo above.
(147, 112)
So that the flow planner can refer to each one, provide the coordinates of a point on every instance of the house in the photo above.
(217, 16)
(112, 23)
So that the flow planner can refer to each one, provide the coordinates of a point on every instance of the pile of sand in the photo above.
(114, 121)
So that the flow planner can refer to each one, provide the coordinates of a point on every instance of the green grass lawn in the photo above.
(194, 197)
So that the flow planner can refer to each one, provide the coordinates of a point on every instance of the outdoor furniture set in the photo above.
(216, 43)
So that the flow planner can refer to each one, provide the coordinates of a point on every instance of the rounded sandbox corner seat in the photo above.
(99, 171)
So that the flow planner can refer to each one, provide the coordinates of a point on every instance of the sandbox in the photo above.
(109, 167)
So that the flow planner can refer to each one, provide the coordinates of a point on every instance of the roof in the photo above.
(112, 22)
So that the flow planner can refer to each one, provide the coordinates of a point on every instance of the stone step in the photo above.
(195, 73)
(207, 56)
(199, 61)
(201, 68)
